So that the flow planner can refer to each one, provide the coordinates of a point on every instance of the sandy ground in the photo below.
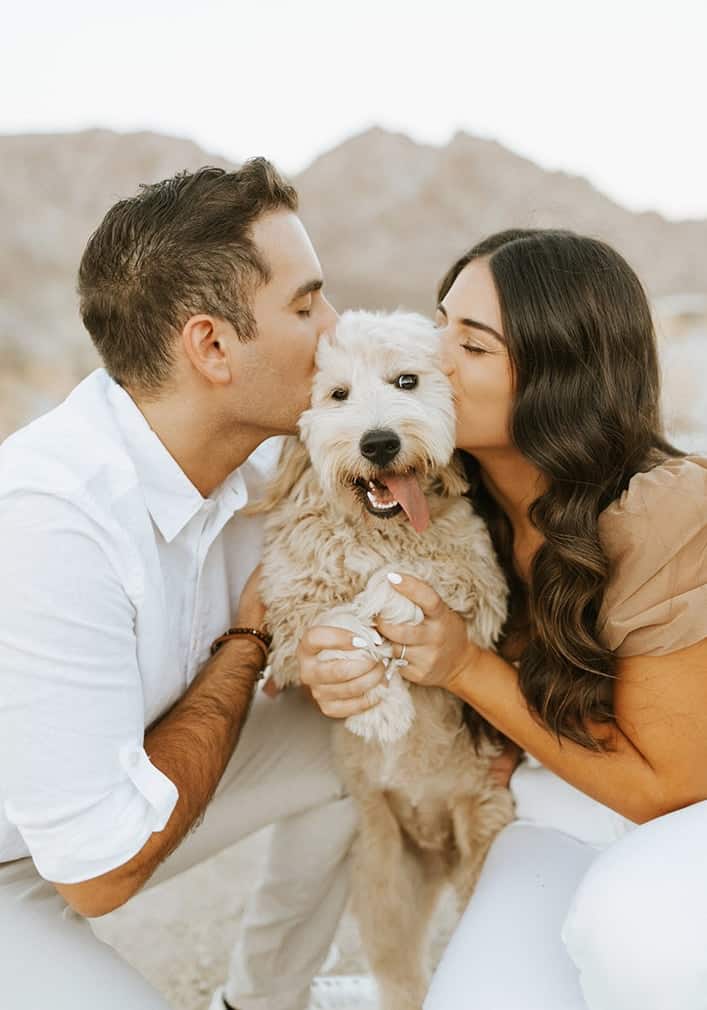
(179, 934)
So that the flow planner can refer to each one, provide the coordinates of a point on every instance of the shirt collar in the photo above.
(171, 498)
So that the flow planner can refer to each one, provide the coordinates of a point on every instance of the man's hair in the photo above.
(181, 247)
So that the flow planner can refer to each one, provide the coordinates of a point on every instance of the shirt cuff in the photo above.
(104, 834)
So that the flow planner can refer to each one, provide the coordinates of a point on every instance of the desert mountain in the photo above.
(387, 215)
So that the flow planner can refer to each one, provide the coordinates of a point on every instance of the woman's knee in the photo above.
(636, 925)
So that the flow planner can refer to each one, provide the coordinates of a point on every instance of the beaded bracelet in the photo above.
(263, 639)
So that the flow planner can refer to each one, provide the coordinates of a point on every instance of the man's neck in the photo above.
(206, 446)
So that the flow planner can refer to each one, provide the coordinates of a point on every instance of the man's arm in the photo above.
(191, 745)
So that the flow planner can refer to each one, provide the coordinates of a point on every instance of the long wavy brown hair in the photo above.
(586, 412)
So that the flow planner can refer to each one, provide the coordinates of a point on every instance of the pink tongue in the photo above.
(407, 491)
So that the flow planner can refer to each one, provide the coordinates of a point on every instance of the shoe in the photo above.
(343, 992)
(217, 999)
(329, 992)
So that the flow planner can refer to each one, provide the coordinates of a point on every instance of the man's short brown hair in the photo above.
(180, 247)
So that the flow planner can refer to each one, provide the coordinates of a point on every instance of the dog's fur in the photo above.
(428, 809)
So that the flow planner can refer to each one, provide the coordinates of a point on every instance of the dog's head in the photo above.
(380, 429)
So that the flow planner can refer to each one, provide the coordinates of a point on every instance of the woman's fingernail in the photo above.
(359, 643)
(395, 578)
(377, 638)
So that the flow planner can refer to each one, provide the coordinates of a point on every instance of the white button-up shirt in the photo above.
(116, 577)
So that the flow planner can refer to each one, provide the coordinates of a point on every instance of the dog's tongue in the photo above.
(407, 491)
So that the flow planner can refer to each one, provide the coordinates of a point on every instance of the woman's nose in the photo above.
(446, 361)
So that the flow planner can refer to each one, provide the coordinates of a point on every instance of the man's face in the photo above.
(274, 371)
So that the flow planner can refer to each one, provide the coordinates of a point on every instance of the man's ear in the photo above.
(205, 340)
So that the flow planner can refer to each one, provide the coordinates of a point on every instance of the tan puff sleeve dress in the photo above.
(655, 536)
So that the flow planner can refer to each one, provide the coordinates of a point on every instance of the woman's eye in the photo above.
(474, 350)
(340, 394)
(406, 381)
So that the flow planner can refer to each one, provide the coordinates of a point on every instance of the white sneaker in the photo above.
(217, 1000)
(329, 992)
(343, 992)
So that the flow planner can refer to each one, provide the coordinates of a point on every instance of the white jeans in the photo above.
(577, 909)
(281, 771)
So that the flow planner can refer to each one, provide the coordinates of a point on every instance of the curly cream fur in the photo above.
(428, 808)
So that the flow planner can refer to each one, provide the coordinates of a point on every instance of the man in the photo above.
(124, 554)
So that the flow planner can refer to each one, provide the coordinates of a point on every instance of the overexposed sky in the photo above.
(615, 91)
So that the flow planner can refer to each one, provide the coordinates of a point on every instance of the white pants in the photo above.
(577, 909)
(281, 771)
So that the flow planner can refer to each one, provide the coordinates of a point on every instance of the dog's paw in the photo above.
(380, 600)
(391, 718)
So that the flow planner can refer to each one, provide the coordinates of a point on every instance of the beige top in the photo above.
(655, 536)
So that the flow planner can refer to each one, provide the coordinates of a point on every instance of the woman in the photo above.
(596, 896)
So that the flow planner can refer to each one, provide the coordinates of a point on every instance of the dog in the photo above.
(372, 486)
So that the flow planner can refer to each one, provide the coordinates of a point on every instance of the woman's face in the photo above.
(475, 357)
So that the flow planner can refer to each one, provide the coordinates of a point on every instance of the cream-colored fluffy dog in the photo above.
(373, 487)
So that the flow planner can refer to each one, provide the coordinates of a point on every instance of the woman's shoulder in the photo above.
(655, 537)
(679, 484)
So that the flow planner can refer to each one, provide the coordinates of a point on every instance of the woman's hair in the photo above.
(586, 412)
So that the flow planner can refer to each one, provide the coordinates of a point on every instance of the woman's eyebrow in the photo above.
(474, 324)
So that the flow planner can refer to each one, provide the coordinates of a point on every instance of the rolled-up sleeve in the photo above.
(75, 780)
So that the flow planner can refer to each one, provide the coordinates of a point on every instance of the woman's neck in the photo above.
(514, 482)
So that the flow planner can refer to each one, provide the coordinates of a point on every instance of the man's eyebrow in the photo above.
(474, 324)
(308, 288)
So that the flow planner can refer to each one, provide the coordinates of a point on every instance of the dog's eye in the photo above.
(406, 381)
(340, 394)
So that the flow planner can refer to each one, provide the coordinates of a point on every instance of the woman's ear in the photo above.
(293, 464)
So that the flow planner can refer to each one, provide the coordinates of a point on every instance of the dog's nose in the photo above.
(380, 446)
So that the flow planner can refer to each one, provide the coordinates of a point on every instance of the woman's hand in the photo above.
(438, 649)
(339, 686)
(502, 767)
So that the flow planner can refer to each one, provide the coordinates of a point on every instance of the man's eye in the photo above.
(340, 394)
(406, 382)
(305, 313)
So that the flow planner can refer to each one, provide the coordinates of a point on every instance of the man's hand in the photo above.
(339, 686)
(251, 609)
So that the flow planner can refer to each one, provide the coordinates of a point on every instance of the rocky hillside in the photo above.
(387, 216)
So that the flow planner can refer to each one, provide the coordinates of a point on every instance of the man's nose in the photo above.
(330, 317)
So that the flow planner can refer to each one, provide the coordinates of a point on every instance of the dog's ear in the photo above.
(452, 482)
(293, 463)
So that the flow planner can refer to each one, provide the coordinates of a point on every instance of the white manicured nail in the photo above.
(394, 578)
(377, 638)
(359, 643)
